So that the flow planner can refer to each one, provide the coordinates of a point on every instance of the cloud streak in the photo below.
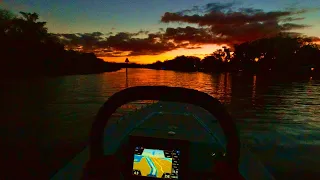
(226, 24)
(213, 23)
(111, 45)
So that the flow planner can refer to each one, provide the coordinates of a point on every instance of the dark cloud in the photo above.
(250, 10)
(218, 7)
(114, 45)
(312, 39)
(88, 41)
(152, 45)
(111, 54)
(190, 34)
(290, 26)
(194, 9)
(224, 23)
(219, 18)
(193, 47)
(289, 19)
(315, 38)
(161, 30)
(214, 23)
(102, 51)
(141, 32)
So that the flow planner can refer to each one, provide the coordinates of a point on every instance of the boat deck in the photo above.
(156, 120)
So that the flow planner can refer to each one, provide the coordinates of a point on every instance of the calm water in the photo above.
(45, 122)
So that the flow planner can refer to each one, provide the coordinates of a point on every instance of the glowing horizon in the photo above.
(146, 59)
(144, 28)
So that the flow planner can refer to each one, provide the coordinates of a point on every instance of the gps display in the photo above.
(156, 163)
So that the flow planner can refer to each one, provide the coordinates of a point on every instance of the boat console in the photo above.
(172, 141)
(156, 158)
(149, 156)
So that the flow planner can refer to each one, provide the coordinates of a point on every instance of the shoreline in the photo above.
(28, 75)
(266, 73)
(84, 73)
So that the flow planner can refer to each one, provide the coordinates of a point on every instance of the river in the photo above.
(46, 121)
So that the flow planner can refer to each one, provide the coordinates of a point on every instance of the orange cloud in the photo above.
(218, 24)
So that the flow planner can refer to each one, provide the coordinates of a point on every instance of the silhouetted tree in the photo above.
(282, 54)
(27, 48)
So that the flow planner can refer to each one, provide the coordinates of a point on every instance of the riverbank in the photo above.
(112, 69)
(272, 74)
(69, 63)
(34, 75)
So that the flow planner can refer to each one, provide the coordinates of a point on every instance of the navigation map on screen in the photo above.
(156, 163)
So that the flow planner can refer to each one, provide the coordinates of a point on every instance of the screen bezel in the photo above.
(157, 143)
(171, 150)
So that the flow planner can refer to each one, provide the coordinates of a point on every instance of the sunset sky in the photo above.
(150, 30)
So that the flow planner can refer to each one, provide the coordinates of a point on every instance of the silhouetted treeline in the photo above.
(130, 65)
(26, 48)
(280, 54)
(179, 63)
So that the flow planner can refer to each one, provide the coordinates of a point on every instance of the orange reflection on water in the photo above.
(218, 86)
(254, 89)
(223, 87)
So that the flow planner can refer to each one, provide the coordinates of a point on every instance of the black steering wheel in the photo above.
(164, 93)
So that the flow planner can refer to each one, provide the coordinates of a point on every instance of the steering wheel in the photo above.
(164, 93)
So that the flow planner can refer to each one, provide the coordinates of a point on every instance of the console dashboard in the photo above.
(156, 158)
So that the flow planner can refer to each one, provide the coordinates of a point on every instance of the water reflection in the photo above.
(218, 86)
(270, 105)
(254, 89)
(269, 113)
(127, 78)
